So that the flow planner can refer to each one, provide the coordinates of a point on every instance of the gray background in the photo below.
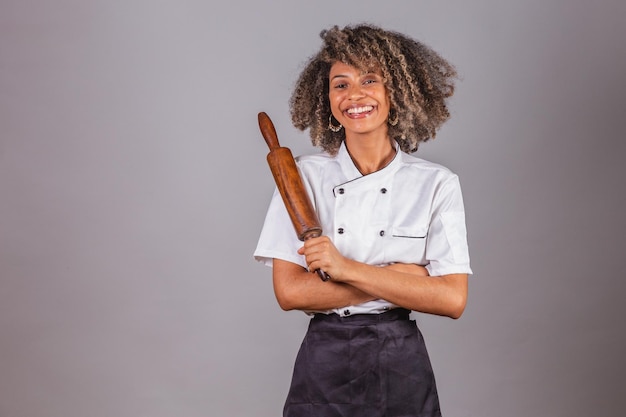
(133, 186)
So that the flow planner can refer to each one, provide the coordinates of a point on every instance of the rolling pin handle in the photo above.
(268, 131)
(323, 275)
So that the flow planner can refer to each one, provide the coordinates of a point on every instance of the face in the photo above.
(359, 101)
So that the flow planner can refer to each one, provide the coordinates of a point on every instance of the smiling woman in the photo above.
(394, 225)
(417, 81)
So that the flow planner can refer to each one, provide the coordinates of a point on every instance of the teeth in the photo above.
(359, 110)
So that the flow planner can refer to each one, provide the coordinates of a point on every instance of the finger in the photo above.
(314, 241)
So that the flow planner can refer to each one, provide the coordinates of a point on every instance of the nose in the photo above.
(356, 92)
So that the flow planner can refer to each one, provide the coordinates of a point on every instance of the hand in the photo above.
(321, 253)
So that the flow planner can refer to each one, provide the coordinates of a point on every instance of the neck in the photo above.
(370, 154)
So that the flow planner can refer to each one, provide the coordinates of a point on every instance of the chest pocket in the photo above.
(407, 244)
(409, 232)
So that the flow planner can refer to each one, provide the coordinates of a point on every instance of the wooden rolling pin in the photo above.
(290, 186)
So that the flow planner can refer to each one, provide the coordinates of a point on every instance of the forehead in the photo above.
(339, 68)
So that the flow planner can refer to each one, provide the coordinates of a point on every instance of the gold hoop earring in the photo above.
(392, 121)
(331, 126)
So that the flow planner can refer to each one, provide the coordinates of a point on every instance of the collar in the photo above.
(352, 172)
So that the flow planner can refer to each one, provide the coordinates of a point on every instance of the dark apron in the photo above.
(366, 365)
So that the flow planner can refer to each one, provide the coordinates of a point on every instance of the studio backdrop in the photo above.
(133, 187)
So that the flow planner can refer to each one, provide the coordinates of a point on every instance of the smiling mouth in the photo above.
(357, 111)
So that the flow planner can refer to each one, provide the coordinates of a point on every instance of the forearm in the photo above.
(298, 289)
(442, 295)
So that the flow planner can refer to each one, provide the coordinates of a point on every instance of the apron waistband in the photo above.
(395, 314)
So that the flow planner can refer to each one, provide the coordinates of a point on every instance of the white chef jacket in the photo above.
(411, 211)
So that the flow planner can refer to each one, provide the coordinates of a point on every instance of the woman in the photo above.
(394, 225)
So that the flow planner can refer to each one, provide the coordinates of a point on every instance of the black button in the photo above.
(382, 233)
(346, 312)
(340, 230)
(383, 190)
(341, 191)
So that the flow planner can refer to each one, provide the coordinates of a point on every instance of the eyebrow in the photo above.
(362, 75)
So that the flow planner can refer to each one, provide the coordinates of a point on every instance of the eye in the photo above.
(339, 86)
(370, 80)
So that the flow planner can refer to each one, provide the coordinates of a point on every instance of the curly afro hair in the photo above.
(417, 79)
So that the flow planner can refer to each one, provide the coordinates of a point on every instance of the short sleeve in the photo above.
(446, 249)
(278, 238)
